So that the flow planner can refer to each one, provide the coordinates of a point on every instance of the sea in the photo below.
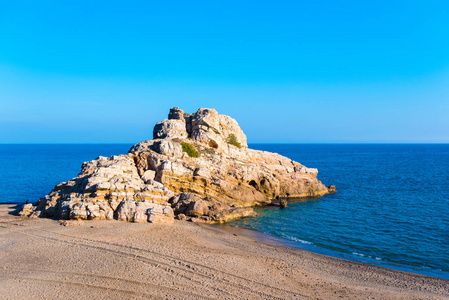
(391, 208)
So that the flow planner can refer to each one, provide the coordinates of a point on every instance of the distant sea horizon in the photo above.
(259, 143)
(391, 208)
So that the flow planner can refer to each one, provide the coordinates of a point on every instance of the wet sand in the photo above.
(40, 258)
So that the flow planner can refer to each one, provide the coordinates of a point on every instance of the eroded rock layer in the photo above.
(198, 167)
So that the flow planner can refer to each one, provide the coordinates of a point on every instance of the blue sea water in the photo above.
(29, 172)
(391, 209)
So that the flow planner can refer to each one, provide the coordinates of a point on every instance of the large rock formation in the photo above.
(198, 167)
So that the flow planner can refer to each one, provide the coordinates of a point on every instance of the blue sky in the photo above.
(287, 71)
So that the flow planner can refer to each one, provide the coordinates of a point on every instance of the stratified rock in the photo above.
(140, 212)
(240, 177)
(193, 208)
(97, 192)
(157, 180)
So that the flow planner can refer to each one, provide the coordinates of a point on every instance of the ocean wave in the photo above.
(363, 255)
(296, 239)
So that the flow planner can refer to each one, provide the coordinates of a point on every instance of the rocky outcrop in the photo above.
(205, 126)
(107, 188)
(207, 209)
(197, 167)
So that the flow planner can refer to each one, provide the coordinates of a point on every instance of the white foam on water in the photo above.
(363, 255)
(296, 239)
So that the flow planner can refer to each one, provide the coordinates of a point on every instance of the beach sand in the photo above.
(42, 259)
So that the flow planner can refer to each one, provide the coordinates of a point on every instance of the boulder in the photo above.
(283, 203)
(181, 217)
(191, 207)
(176, 114)
(214, 130)
(27, 209)
(140, 212)
(170, 129)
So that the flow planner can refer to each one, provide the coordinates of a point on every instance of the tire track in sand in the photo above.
(180, 261)
(177, 267)
(12, 273)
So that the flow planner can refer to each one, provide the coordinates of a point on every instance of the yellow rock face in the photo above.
(157, 180)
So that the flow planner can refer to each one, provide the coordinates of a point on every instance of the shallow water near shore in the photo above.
(391, 209)
(267, 238)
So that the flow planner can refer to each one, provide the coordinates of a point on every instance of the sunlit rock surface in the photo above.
(161, 179)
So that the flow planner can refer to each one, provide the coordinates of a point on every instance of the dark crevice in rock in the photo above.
(254, 184)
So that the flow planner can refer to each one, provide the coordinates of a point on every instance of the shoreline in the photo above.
(113, 259)
(267, 238)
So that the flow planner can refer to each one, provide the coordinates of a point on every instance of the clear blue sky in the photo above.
(288, 71)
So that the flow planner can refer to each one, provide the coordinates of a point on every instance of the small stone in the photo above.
(181, 217)
(72, 223)
(283, 203)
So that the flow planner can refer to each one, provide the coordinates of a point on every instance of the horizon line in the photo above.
(254, 143)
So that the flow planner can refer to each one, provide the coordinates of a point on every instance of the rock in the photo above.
(72, 223)
(212, 129)
(235, 213)
(283, 203)
(148, 176)
(176, 114)
(158, 215)
(241, 177)
(183, 203)
(170, 129)
(230, 126)
(35, 214)
(167, 147)
(332, 189)
(140, 212)
(27, 209)
(205, 126)
(97, 192)
(140, 217)
(157, 181)
(181, 217)
(186, 204)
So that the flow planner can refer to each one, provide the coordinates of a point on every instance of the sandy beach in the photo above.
(43, 259)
